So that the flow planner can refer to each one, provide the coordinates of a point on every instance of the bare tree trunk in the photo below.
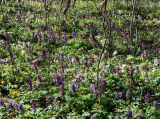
(132, 19)
(74, 3)
(67, 7)
(7, 43)
(104, 5)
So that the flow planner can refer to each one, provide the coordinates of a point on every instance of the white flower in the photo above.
(155, 61)
(123, 67)
(154, 71)
(23, 52)
(115, 52)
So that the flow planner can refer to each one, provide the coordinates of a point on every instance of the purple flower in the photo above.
(33, 107)
(146, 99)
(18, 107)
(129, 113)
(155, 104)
(94, 89)
(29, 81)
(157, 62)
(79, 77)
(77, 60)
(137, 69)
(131, 70)
(128, 94)
(103, 84)
(39, 78)
(70, 60)
(81, 35)
(144, 67)
(61, 57)
(87, 69)
(49, 36)
(40, 34)
(89, 62)
(58, 79)
(27, 59)
(143, 44)
(120, 95)
(41, 54)
(10, 105)
(35, 65)
(92, 26)
(131, 73)
(118, 117)
(117, 70)
(62, 89)
(64, 38)
(55, 40)
(1, 102)
(73, 34)
(85, 62)
(123, 34)
(92, 116)
(73, 88)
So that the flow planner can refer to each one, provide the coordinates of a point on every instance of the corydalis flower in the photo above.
(87, 69)
(64, 38)
(33, 107)
(10, 105)
(157, 62)
(146, 98)
(49, 36)
(41, 54)
(35, 64)
(61, 57)
(1, 102)
(117, 70)
(128, 94)
(55, 40)
(155, 104)
(103, 84)
(118, 117)
(18, 107)
(137, 69)
(94, 89)
(73, 88)
(62, 89)
(79, 77)
(92, 26)
(144, 54)
(29, 81)
(39, 79)
(129, 113)
(92, 117)
(120, 95)
(77, 60)
(40, 34)
(70, 60)
(58, 79)
(143, 44)
(145, 68)
(73, 34)
(85, 62)
(131, 73)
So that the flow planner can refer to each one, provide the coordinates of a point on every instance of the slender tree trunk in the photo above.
(67, 7)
